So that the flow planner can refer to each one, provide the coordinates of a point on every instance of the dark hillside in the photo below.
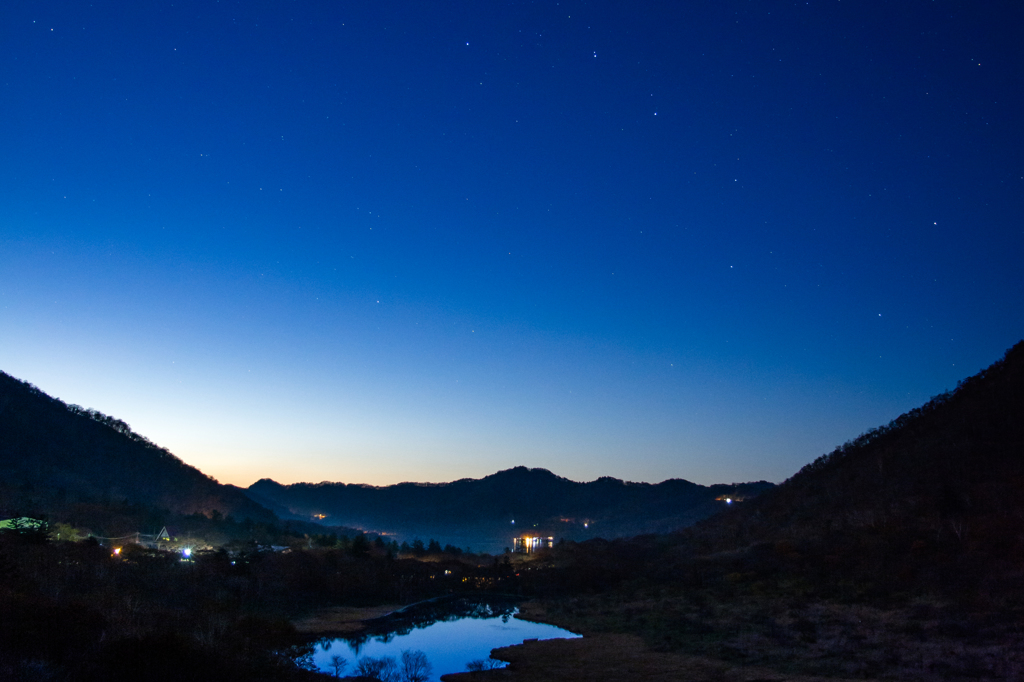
(56, 456)
(934, 494)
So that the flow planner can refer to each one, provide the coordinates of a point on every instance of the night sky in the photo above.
(386, 241)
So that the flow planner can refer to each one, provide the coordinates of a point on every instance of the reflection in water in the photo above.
(451, 635)
(424, 614)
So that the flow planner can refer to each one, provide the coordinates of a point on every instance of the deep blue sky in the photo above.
(386, 241)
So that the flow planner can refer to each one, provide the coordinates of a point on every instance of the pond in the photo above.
(451, 633)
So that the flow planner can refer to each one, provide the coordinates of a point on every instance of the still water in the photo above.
(451, 634)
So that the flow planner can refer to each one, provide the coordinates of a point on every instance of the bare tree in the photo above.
(483, 664)
(338, 663)
(384, 668)
(415, 666)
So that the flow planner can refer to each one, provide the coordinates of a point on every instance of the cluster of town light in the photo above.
(186, 553)
(529, 544)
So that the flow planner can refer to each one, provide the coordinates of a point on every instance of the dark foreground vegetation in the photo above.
(78, 611)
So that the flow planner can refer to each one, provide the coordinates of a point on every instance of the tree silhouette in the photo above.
(415, 666)
(338, 663)
(360, 546)
(384, 668)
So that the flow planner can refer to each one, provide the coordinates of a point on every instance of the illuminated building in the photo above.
(525, 545)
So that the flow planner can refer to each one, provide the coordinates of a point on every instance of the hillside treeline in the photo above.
(931, 498)
(55, 456)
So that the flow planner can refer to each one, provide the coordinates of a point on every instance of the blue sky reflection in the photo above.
(448, 645)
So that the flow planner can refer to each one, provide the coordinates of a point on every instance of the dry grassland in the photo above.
(340, 619)
(614, 658)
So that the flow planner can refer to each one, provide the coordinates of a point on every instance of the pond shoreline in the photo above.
(613, 657)
(452, 631)
(341, 621)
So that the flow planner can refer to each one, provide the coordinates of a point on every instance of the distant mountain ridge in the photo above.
(70, 461)
(54, 455)
(507, 503)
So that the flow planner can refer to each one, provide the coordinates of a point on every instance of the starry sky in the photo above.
(387, 241)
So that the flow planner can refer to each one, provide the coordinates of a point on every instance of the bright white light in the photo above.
(728, 500)
(187, 551)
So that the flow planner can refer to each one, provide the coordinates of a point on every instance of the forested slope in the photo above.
(932, 498)
(55, 455)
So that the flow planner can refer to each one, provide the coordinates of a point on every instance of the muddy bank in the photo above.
(342, 619)
(606, 657)
(387, 618)
(614, 658)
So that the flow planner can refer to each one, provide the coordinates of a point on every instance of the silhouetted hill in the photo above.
(55, 456)
(935, 495)
(474, 511)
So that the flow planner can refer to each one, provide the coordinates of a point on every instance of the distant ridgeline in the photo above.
(487, 513)
(56, 456)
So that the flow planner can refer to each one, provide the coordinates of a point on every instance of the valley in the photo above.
(896, 556)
